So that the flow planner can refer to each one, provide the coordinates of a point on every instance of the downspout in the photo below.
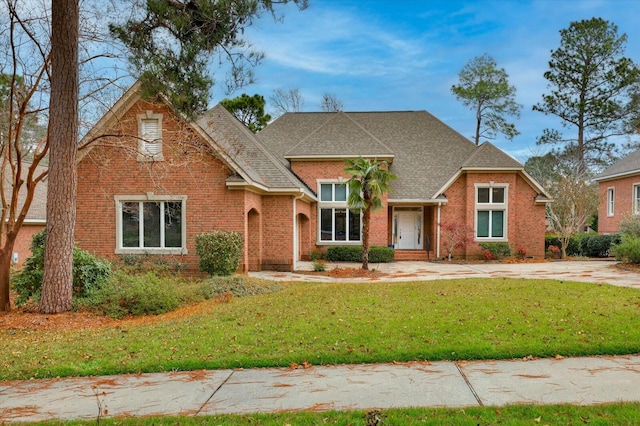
(438, 234)
(295, 229)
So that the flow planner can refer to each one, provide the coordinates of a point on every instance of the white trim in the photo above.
(150, 196)
(296, 241)
(333, 205)
(616, 176)
(491, 207)
(635, 198)
(340, 157)
(611, 201)
(149, 150)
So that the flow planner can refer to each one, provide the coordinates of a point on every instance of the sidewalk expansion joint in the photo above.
(214, 392)
(466, 380)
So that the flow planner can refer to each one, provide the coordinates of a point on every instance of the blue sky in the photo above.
(405, 55)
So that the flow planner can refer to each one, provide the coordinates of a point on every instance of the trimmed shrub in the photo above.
(377, 254)
(573, 249)
(497, 250)
(89, 272)
(627, 250)
(596, 245)
(220, 252)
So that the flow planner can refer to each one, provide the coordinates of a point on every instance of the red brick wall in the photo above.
(311, 171)
(525, 219)
(111, 169)
(623, 203)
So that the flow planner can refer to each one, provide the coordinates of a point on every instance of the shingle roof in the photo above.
(427, 153)
(38, 210)
(487, 156)
(240, 145)
(625, 166)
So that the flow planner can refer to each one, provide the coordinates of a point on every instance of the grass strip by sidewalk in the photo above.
(348, 323)
(515, 415)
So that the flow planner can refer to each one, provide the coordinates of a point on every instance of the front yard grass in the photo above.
(347, 323)
(604, 415)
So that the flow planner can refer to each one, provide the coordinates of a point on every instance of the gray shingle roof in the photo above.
(625, 166)
(427, 153)
(240, 145)
(38, 210)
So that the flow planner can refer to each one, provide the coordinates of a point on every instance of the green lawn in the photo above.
(525, 415)
(349, 323)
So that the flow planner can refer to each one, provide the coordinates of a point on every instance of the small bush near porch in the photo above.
(377, 254)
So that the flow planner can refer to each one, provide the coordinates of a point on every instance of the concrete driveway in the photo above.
(593, 271)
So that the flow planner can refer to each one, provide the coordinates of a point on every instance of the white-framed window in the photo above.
(337, 223)
(636, 198)
(491, 211)
(611, 201)
(150, 224)
(150, 134)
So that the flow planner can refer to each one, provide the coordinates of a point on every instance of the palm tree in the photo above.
(369, 181)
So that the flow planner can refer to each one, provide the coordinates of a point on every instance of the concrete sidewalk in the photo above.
(581, 381)
(593, 271)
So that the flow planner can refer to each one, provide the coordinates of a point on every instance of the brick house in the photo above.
(36, 218)
(619, 191)
(150, 181)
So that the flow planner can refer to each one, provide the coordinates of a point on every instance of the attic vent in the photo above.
(150, 137)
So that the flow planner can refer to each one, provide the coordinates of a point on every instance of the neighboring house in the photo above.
(155, 181)
(36, 219)
(619, 190)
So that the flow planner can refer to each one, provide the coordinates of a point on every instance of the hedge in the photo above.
(377, 254)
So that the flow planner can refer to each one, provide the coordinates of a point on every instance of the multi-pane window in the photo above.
(636, 199)
(611, 199)
(491, 212)
(337, 222)
(151, 224)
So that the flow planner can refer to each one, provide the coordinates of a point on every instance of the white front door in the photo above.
(409, 232)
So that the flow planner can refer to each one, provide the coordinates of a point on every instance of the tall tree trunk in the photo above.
(5, 277)
(63, 179)
(366, 219)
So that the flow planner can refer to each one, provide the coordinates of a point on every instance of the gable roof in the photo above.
(426, 153)
(626, 166)
(232, 142)
(339, 130)
(254, 162)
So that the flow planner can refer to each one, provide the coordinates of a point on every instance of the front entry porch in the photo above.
(411, 233)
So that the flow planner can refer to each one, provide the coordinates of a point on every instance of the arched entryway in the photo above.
(303, 242)
(254, 241)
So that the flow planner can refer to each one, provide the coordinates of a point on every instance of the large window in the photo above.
(611, 200)
(150, 226)
(636, 199)
(491, 212)
(337, 223)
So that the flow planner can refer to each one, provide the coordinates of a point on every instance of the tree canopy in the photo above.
(172, 42)
(249, 110)
(485, 89)
(369, 181)
(593, 90)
